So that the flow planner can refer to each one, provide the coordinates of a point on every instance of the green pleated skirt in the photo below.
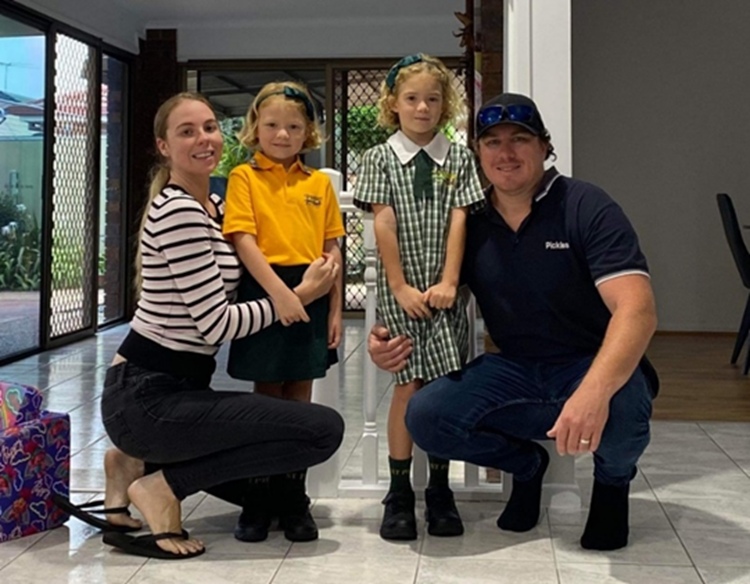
(283, 353)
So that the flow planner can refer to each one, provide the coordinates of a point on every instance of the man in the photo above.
(565, 294)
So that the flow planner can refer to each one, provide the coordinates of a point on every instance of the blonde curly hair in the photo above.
(248, 136)
(453, 105)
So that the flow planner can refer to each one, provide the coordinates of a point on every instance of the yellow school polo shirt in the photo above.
(291, 213)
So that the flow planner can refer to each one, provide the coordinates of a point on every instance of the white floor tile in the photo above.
(721, 575)
(615, 573)
(483, 571)
(708, 513)
(73, 567)
(208, 568)
(483, 540)
(10, 550)
(717, 548)
(733, 484)
(335, 569)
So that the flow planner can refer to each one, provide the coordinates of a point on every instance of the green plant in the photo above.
(362, 129)
(234, 153)
(20, 257)
(68, 264)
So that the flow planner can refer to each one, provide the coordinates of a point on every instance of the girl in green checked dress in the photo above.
(420, 186)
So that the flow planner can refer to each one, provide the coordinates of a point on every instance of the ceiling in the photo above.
(169, 11)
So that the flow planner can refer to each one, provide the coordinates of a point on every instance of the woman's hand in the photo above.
(289, 308)
(317, 279)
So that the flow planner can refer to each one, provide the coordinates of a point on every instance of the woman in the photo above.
(157, 406)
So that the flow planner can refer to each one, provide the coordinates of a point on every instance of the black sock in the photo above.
(299, 476)
(257, 496)
(607, 525)
(438, 471)
(522, 511)
(400, 475)
(290, 492)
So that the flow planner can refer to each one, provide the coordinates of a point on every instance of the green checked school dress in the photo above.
(387, 177)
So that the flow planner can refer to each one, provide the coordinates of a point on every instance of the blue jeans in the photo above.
(489, 413)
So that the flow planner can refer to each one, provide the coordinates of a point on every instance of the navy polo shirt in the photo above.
(536, 287)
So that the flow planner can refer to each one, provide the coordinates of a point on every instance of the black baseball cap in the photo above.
(510, 108)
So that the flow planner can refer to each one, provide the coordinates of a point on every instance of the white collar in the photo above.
(405, 149)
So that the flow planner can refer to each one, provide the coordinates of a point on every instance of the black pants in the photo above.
(202, 438)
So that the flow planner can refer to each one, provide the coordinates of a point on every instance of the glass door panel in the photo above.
(22, 87)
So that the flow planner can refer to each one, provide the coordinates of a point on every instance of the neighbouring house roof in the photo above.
(23, 109)
(16, 128)
(10, 97)
(71, 111)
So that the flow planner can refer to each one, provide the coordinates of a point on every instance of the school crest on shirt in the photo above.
(313, 200)
(444, 177)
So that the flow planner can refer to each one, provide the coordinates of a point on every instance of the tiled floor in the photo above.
(690, 511)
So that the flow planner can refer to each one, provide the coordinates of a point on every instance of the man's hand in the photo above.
(411, 300)
(441, 296)
(386, 353)
(579, 426)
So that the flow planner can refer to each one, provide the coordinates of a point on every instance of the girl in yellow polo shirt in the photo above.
(281, 216)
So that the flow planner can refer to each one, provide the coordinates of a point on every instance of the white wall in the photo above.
(661, 121)
(102, 19)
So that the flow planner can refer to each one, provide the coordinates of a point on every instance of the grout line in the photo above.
(720, 447)
(552, 543)
(672, 525)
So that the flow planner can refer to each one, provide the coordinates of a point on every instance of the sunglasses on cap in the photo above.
(495, 114)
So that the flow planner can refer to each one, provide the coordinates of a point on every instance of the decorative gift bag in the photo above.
(34, 462)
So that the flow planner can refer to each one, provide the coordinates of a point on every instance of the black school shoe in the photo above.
(399, 520)
(255, 519)
(441, 513)
(297, 521)
(252, 526)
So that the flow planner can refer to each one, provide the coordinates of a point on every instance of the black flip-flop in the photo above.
(146, 546)
(84, 513)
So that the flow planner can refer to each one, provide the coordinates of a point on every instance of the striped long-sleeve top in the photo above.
(190, 277)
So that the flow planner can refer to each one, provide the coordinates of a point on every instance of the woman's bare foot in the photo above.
(120, 470)
(155, 500)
